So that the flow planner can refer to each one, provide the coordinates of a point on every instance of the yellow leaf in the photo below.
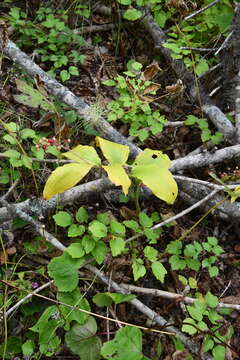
(84, 154)
(235, 194)
(63, 178)
(113, 152)
(118, 176)
(151, 167)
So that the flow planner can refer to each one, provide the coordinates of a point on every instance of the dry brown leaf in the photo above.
(151, 70)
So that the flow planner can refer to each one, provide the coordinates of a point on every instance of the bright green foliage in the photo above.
(75, 299)
(13, 347)
(53, 37)
(127, 344)
(63, 219)
(46, 328)
(191, 254)
(132, 107)
(206, 134)
(82, 341)
(203, 312)
(106, 299)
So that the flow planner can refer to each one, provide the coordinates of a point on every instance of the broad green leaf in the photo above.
(139, 269)
(117, 246)
(126, 345)
(27, 133)
(11, 139)
(32, 97)
(82, 341)
(113, 152)
(75, 250)
(84, 154)
(219, 352)
(191, 330)
(99, 252)
(211, 300)
(28, 348)
(98, 229)
(150, 253)
(118, 176)
(132, 14)
(151, 167)
(159, 270)
(12, 154)
(117, 228)
(82, 215)
(64, 270)
(106, 299)
(63, 218)
(64, 178)
(88, 243)
(76, 230)
(73, 298)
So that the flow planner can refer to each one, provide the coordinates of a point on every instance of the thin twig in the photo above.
(10, 190)
(173, 296)
(175, 217)
(201, 10)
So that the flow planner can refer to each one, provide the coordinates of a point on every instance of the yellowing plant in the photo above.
(150, 166)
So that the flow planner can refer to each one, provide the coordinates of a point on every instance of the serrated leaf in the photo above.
(159, 270)
(106, 299)
(64, 178)
(99, 252)
(82, 215)
(75, 230)
(211, 300)
(73, 298)
(191, 330)
(150, 253)
(75, 250)
(139, 269)
(64, 270)
(127, 344)
(98, 229)
(132, 14)
(151, 167)
(63, 218)
(117, 246)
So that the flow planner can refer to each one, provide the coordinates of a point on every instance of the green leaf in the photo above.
(177, 263)
(75, 299)
(191, 330)
(99, 252)
(174, 247)
(117, 246)
(132, 14)
(27, 134)
(11, 139)
(88, 243)
(64, 74)
(213, 271)
(211, 300)
(145, 220)
(75, 250)
(219, 352)
(117, 228)
(208, 343)
(139, 269)
(82, 341)
(32, 97)
(28, 348)
(82, 215)
(64, 271)
(73, 70)
(97, 229)
(150, 253)
(159, 270)
(131, 224)
(109, 83)
(151, 167)
(106, 299)
(127, 344)
(27, 161)
(13, 347)
(76, 230)
(12, 154)
(124, 2)
(63, 219)
(64, 178)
